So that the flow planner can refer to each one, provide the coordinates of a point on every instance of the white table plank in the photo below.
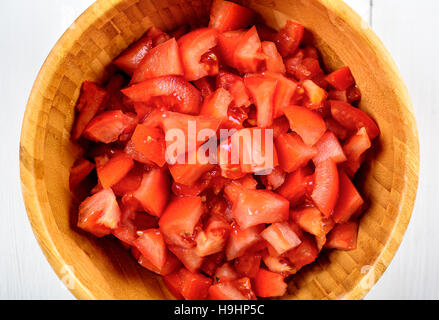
(409, 30)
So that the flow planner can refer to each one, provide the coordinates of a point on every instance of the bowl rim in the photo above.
(30, 186)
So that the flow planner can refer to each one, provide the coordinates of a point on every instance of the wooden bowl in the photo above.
(102, 269)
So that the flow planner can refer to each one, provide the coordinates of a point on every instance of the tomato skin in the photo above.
(343, 236)
(295, 186)
(171, 264)
(289, 38)
(163, 60)
(114, 170)
(242, 239)
(226, 16)
(274, 60)
(130, 59)
(248, 265)
(304, 254)
(353, 119)
(81, 169)
(90, 102)
(326, 187)
(172, 91)
(309, 125)
(193, 46)
(269, 284)
(262, 90)
(281, 237)
(190, 286)
(292, 152)
(153, 192)
(328, 147)
(180, 218)
(151, 245)
(150, 142)
(248, 56)
(336, 128)
(341, 79)
(99, 214)
(349, 199)
(355, 149)
(254, 207)
(312, 221)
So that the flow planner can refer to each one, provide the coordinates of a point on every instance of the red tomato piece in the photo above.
(274, 180)
(278, 264)
(171, 91)
(325, 193)
(343, 236)
(289, 38)
(79, 172)
(233, 189)
(171, 264)
(349, 199)
(163, 60)
(309, 125)
(336, 128)
(254, 207)
(90, 102)
(341, 79)
(225, 273)
(157, 36)
(130, 59)
(179, 219)
(189, 172)
(274, 60)
(193, 47)
(269, 284)
(188, 256)
(315, 94)
(193, 286)
(136, 155)
(235, 85)
(328, 147)
(266, 33)
(217, 104)
(304, 254)
(227, 43)
(284, 93)
(248, 55)
(262, 91)
(353, 119)
(355, 149)
(99, 214)
(292, 152)
(281, 237)
(150, 143)
(295, 186)
(312, 221)
(151, 245)
(206, 86)
(242, 239)
(213, 238)
(226, 16)
(114, 170)
(248, 265)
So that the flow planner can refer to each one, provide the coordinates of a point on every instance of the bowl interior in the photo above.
(101, 268)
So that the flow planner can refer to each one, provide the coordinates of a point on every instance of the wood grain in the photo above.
(103, 270)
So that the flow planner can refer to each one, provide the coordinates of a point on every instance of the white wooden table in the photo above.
(29, 29)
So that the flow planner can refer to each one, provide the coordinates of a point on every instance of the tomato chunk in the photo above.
(150, 142)
(100, 213)
(296, 186)
(254, 207)
(226, 16)
(213, 239)
(248, 55)
(355, 149)
(193, 47)
(151, 245)
(235, 85)
(316, 94)
(79, 172)
(328, 147)
(341, 79)
(292, 152)
(325, 193)
(262, 90)
(217, 104)
(306, 123)
(343, 236)
(248, 265)
(107, 127)
(242, 239)
(163, 60)
(114, 170)
(171, 264)
(349, 199)
(170, 91)
(281, 237)
(289, 38)
(274, 59)
(285, 90)
(269, 284)
(191, 286)
(188, 256)
(304, 254)
(179, 219)
(312, 221)
(130, 59)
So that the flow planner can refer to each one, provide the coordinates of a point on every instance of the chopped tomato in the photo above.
(191, 286)
(179, 219)
(262, 90)
(304, 254)
(312, 221)
(328, 147)
(188, 256)
(131, 151)
(235, 85)
(206, 86)
(336, 128)
(296, 185)
(292, 152)
(248, 55)
(278, 264)
(217, 104)
(153, 192)
(269, 284)
(151, 245)
(233, 189)
(213, 238)
(226, 16)
(189, 172)
(150, 143)
(198, 60)
(353, 118)
(349, 199)
(157, 36)
(343, 236)
(281, 237)
(163, 60)
(355, 149)
(325, 193)
(341, 79)
(274, 180)
(274, 59)
(130, 59)
(99, 214)
(266, 33)
(254, 207)
(90, 101)
(171, 264)
(306, 123)
(225, 273)
(248, 265)
(227, 44)
(242, 239)
(315, 94)
(289, 38)
(171, 91)
(114, 170)
(285, 90)
(79, 172)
